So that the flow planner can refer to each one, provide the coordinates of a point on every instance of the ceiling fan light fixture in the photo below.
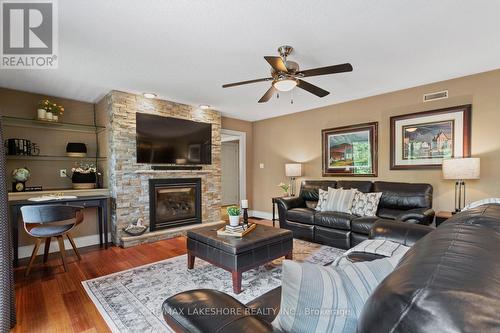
(149, 95)
(285, 84)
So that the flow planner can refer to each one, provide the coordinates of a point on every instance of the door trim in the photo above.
(242, 151)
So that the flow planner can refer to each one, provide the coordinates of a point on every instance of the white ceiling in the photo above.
(185, 50)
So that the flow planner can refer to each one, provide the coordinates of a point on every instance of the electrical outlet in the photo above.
(62, 173)
(262, 165)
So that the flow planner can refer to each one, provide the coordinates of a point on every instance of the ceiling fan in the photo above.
(285, 75)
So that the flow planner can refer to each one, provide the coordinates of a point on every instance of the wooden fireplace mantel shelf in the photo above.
(149, 171)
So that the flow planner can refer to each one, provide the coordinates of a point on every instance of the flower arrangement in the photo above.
(233, 211)
(284, 187)
(84, 168)
(84, 176)
(53, 108)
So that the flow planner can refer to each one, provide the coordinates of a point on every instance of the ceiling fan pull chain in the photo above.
(278, 96)
(291, 97)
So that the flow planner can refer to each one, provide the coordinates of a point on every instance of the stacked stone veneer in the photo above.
(129, 181)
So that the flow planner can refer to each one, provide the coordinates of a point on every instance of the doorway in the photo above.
(233, 167)
(230, 173)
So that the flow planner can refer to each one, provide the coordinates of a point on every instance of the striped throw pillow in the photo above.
(316, 298)
(339, 200)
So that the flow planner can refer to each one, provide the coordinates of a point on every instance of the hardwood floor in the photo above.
(51, 300)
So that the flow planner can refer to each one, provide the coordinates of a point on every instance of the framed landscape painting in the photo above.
(422, 140)
(350, 150)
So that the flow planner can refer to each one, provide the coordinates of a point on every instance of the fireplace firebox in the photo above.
(174, 202)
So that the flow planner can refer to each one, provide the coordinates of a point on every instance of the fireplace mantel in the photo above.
(150, 171)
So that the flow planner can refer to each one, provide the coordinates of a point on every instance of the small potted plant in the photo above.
(284, 187)
(234, 215)
(43, 107)
(57, 111)
(84, 176)
(49, 111)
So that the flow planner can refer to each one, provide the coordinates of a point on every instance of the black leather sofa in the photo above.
(404, 202)
(447, 282)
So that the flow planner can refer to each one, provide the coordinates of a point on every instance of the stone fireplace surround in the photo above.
(129, 181)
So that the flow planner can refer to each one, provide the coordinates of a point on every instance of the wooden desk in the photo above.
(99, 201)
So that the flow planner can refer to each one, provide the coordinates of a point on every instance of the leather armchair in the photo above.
(288, 203)
(423, 216)
(403, 233)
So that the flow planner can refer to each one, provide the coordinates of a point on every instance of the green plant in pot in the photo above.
(84, 176)
(234, 215)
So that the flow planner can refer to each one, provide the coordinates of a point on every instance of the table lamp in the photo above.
(293, 170)
(460, 169)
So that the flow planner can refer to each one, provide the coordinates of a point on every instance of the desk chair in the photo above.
(40, 222)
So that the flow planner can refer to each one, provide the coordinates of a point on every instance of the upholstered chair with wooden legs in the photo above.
(47, 221)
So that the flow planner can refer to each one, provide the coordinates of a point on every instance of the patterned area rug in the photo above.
(130, 301)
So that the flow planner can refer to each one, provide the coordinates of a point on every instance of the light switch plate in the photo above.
(261, 165)
(63, 173)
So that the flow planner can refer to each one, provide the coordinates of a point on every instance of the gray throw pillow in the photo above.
(323, 197)
(365, 204)
(318, 298)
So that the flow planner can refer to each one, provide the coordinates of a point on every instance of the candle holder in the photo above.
(245, 218)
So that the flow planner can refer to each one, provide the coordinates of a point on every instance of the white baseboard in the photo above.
(262, 215)
(25, 251)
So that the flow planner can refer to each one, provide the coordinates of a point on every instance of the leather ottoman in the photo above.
(238, 255)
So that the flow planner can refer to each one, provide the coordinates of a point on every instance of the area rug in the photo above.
(131, 300)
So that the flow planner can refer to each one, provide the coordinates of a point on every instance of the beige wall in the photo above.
(247, 127)
(297, 137)
(46, 173)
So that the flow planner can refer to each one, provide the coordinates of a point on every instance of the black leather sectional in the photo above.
(406, 202)
(447, 282)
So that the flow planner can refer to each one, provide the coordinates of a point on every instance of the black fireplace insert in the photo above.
(174, 202)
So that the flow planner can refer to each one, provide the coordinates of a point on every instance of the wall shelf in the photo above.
(51, 158)
(58, 126)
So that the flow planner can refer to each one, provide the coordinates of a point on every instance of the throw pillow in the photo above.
(317, 298)
(339, 200)
(323, 196)
(365, 204)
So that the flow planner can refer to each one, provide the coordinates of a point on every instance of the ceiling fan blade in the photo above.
(312, 88)
(246, 82)
(267, 96)
(276, 63)
(326, 70)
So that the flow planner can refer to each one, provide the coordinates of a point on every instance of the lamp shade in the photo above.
(461, 168)
(293, 169)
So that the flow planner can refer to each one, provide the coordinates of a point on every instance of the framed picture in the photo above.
(350, 150)
(422, 140)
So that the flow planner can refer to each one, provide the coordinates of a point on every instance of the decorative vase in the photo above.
(41, 114)
(49, 116)
(84, 180)
(234, 220)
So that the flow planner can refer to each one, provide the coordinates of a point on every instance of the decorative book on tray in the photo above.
(236, 231)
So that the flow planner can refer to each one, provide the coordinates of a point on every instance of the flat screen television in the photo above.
(167, 140)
